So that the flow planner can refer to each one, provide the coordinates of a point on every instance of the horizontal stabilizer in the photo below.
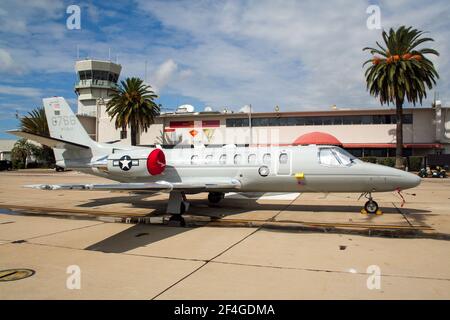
(48, 141)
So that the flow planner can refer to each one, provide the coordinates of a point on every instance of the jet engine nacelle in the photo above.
(137, 163)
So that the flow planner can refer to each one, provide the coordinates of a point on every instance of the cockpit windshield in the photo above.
(335, 156)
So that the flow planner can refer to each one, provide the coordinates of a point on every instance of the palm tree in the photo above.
(21, 150)
(36, 122)
(132, 105)
(400, 71)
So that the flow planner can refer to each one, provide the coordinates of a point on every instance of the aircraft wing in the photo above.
(230, 185)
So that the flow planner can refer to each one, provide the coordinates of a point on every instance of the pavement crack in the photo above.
(403, 215)
(325, 270)
(220, 253)
(62, 231)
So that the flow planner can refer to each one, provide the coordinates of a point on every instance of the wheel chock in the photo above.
(379, 212)
(363, 211)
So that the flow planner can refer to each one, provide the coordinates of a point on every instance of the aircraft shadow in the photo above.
(138, 235)
(141, 235)
(228, 207)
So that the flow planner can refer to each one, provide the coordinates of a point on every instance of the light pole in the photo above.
(250, 124)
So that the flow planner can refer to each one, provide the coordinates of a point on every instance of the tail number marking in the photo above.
(64, 121)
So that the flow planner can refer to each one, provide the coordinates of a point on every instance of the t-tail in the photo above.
(71, 143)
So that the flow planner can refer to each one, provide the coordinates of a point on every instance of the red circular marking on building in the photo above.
(317, 138)
(156, 162)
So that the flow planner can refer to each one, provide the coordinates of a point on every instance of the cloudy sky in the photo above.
(300, 55)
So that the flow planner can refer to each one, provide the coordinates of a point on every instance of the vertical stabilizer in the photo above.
(63, 123)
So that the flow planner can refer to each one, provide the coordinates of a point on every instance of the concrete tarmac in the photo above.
(142, 261)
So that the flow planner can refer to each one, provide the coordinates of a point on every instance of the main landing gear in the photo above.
(371, 206)
(176, 207)
(215, 197)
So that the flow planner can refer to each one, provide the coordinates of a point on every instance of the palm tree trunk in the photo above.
(399, 135)
(133, 134)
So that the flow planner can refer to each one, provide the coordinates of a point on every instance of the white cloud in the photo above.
(295, 54)
(6, 61)
(163, 74)
(20, 91)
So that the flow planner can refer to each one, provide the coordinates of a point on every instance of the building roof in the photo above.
(6, 145)
(317, 138)
(337, 112)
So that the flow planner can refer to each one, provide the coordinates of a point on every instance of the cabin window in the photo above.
(194, 159)
(344, 157)
(283, 158)
(335, 157)
(327, 157)
(252, 158)
(237, 159)
(266, 158)
(208, 158)
(223, 159)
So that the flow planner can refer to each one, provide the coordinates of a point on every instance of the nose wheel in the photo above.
(371, 206)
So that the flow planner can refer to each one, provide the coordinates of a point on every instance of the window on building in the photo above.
(309, 121)
(326, 121)
(283, 121)
(238, 122)
(357, 152)
(375, 152)
(408, 118)
(366, 120)
(123, 134)
(274, 122)
(252, 158)
(337, 120)
(208, 158)
(318, 121)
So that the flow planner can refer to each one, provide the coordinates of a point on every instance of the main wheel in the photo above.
(371, 206)
(215, 197)
(177, 220)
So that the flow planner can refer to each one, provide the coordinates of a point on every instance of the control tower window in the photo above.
(113, 77)
(100, 75)
(85, 74)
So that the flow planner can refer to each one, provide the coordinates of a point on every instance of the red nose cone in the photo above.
(156, 162)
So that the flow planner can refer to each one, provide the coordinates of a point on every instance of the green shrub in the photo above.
(415, 163)
(388, 161)
(369, 159)
(18, 164)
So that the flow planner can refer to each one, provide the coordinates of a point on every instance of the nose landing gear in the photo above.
(371, 206)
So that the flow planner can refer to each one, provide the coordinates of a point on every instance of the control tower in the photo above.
(96, 81)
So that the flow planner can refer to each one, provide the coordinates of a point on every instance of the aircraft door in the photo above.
(284, 162)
